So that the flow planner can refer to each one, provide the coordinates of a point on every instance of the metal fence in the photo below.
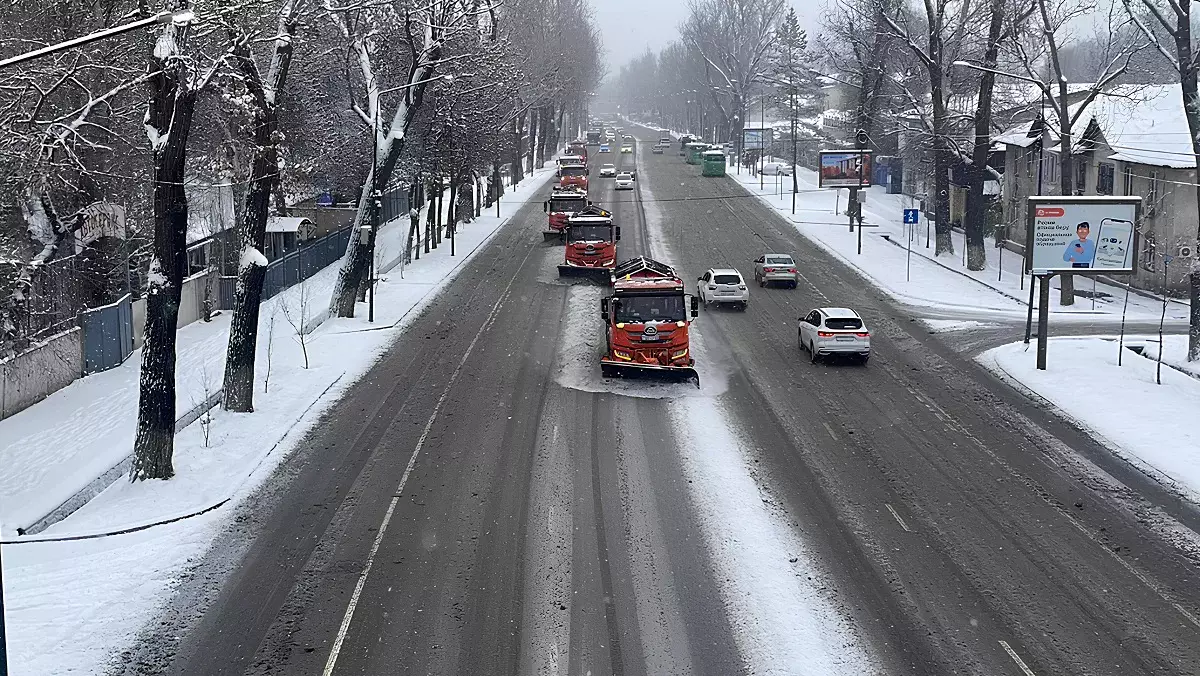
(395, 205)
(53, 302)
(293, 268)
(107, 335)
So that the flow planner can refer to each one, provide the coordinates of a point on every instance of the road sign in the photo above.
(912, 216)
(1167, 259)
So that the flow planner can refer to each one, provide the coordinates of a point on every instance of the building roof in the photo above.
(1143, 124)
(287, 223)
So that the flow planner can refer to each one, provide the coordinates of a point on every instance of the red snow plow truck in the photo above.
(591, 246)
(573, 176)
(561, 205)
(646, 319)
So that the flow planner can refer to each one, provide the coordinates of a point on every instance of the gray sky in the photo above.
(630, 26)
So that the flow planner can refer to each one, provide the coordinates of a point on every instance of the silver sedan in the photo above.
(776, 268)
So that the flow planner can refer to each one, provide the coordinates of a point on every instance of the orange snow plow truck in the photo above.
(591, 244)
(573, 176)
(647, 319)
(561, 205)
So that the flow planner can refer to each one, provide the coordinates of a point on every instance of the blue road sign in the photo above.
(912, 216)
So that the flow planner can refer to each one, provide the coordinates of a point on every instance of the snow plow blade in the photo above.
(598, 275)
(679, 374)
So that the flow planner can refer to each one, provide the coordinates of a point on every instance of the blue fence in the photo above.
(107, 335)
(293, 268)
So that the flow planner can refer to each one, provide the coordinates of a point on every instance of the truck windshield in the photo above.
(574, 171)
(638, 309)
(571, 205)
(588, 233)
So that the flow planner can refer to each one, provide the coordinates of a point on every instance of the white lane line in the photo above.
(387, 517)
(830, 430)
(1017, 658)
(898, 519)
(1184, 611)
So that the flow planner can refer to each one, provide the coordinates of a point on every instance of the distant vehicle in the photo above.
(573, 176)
(777, 169)
(608, 170)
(625, 150)
(723, 286)
(827, 331)
(664, 141)
(593, 137)
(624, 181)
(604, 148)
(628, 138)
(657, 149)
(770, 268)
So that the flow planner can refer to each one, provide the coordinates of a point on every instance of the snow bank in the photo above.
(783, 618)
(1151, 425)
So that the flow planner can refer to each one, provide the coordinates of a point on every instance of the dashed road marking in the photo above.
(1017, 658)
(1184, 611)
(830, 430)
(331, 663)
(898, 519)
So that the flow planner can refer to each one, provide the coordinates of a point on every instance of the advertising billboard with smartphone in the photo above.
(1082, 235)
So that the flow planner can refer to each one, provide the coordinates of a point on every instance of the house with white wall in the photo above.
(1130, 140)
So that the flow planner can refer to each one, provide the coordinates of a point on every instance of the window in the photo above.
(843, 323)
(1104, 178)
(727, 279)
(1081, 172)
(780, 260)
(638, 309)
(1127, 179)
(1050, 169)
(1149, 249)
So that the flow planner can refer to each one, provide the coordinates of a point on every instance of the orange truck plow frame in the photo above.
(647, 323)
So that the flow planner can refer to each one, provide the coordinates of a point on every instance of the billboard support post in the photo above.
(1029, 314)
(1043, 320)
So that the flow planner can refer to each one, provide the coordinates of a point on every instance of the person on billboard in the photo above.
(1081, 251)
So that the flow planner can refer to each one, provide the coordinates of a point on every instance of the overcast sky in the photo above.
(630, 26)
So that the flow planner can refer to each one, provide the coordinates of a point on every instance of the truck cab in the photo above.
(561, 206)
(573, 176)
(591, 244)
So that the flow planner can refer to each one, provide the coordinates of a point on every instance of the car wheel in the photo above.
(864, 359)
(745, 304)
(800, 341)
(812, 353)
(795, 283)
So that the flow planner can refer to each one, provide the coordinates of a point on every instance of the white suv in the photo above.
(624, 181)
(834, 330)
(723, 285)
(608, 170)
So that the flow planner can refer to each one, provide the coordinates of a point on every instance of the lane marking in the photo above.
(1184, 611)
(1017, 658)
(830, 430)
(898, 519)
(412, 461)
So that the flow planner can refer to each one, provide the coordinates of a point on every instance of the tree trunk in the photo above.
(238, 386)
(1066, 282)
(941, 153)
(169, 113)
(430, 214)
(517, 171)
(974, 225)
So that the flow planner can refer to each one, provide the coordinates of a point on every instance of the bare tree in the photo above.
(297, 316)
(426, 28)
(796, 87)
(1174, 17)
(734, 40)
(264, 97)
(176, 79)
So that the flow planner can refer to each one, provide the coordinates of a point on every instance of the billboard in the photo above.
(1082, 235)
(845, 169)
(756, 139)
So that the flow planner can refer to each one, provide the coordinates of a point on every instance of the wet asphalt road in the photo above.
(544, 528)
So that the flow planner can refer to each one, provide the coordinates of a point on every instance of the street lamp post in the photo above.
(177, 17)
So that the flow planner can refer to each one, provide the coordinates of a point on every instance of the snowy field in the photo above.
(1151, 425)
(73, 606)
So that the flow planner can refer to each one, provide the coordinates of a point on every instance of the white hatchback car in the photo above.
(723, 285)
(777, 168)
(834, 330)
(624, 181)
(608, 171)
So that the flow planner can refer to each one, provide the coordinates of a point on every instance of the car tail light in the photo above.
(742, 287)
(863, 334)
(768, 269)
(825, 334)
(792, 270)
(712, 288)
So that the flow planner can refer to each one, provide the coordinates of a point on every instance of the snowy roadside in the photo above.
(73, 606)
(942, 282)
(1150, 425)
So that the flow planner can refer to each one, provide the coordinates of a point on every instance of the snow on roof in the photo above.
(286, 223)
(1143, 124)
